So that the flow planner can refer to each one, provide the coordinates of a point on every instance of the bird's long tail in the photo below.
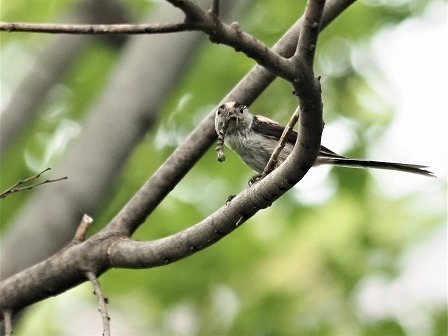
(403, 167)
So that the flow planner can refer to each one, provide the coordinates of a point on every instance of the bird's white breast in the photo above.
(254, 149)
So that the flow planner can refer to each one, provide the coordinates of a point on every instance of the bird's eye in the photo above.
(242, 107)
(218, 112)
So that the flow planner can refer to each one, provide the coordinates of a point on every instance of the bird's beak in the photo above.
(234, 116)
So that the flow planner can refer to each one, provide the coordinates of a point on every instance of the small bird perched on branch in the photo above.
(254, 138)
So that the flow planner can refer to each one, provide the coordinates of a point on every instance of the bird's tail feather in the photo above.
(403, 167)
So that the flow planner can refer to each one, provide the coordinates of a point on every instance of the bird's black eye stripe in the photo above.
(219, 109)
(239, 107)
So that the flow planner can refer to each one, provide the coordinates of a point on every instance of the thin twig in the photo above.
(81, 232)
(102, 302)
(3, 195)
(28, 179)
(15, 188)
(272, 163)
(7, 320)
(93, 29)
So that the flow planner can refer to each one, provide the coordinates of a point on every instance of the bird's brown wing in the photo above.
(274, 130)
(271, 129)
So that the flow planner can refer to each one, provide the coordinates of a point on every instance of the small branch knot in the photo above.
(235, 25)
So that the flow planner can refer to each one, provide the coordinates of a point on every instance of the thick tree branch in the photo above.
(308, 90)
(128, 253)
(308, 36)
(55, 275)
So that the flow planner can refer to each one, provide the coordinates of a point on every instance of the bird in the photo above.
(254, 138)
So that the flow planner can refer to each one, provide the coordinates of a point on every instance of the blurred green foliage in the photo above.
(293, 269)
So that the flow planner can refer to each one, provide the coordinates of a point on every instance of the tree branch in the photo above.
(15, 188)
(93, 29)
(308, 36)
(80, 234)
(308, 90)
(215, 8)
(102, 302)
(7, 318)
(272, 163)
(128, 253)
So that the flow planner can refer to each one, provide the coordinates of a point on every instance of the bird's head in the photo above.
(236, 115)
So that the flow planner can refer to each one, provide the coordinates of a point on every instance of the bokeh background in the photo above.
(346, 252)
